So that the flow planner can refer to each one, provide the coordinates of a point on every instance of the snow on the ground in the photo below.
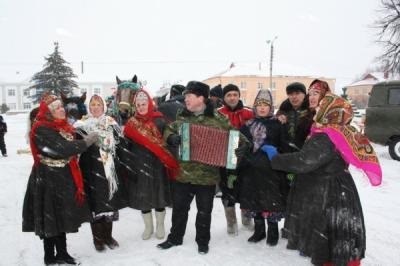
(381, 207)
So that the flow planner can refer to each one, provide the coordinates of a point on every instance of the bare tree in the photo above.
(389, 35)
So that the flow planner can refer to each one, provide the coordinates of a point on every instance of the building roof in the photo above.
(262, 70)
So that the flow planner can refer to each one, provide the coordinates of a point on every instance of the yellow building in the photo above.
(251, 79)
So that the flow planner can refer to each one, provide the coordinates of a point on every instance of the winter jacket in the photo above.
(260, 187)
(50, 207)
(237, 116)
(193, 172)
(171, 107)
(324, 216)
(298, 122)
(3, 127)
(146, 179)
(96, 184)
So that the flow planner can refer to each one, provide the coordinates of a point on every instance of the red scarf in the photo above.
(142, 130)
(43, 118)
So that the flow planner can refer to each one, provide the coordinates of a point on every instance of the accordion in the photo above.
(208, 145)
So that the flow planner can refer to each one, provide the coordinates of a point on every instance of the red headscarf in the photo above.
(44, 118)
(142, 130)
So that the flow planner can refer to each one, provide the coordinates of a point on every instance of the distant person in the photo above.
(294, 112)
(170, 107)
(3, 131)
(237, 114)
(217, 96)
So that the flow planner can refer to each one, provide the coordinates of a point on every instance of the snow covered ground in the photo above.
(381, 209)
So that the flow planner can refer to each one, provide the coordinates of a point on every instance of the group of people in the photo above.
(292, 165)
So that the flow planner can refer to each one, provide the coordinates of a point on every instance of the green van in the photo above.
(382, 121)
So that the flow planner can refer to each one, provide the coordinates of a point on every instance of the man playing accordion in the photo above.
(195, 179)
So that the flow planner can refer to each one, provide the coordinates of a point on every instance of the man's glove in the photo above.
(174, 140)
(270, 151)
(91, 138)
(241, 151)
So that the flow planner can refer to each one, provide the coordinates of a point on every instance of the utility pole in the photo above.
(271, 58)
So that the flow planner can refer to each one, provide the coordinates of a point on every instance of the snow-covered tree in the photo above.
(55, 78)
(388, 26)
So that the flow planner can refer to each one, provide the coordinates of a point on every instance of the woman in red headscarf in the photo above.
(324, 214)
(147, 163)
(54, 202)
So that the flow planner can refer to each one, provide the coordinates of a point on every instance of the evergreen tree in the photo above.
(55, 78)
(4, 108)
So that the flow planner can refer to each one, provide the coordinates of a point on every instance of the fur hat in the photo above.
(296, 87)
(230, 87)
(198, 88)
(217, 91)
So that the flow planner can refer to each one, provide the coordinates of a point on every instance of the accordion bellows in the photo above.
(208, 145)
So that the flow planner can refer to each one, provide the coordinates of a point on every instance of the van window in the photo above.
(394, 96)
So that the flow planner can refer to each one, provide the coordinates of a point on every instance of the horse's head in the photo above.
(125, 94)
(74, 106)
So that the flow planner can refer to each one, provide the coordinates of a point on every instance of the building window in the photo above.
(12, 106)
(27, 106)
(83, 90)
(260, 85)
(243, 84)
(26, 92)
(11, 92)
(273, 86)
(96, 91)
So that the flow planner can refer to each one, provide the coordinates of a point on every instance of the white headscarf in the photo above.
(106, 127)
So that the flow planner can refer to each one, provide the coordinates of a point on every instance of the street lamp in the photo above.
(271, 57)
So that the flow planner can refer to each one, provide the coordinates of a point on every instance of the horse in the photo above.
(74, 107)
(123, 107)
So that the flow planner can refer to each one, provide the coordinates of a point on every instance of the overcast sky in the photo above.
(179, 40)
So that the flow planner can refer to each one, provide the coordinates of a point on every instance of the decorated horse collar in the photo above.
(128, 85)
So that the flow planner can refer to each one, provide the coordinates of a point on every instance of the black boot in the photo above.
(109, 240)
(48, 244)
(203, 249)
(62, 254)
(166, 245)
(273, 233)
(259, 230)
(98, 236)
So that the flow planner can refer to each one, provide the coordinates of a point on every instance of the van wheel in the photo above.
(394, 148)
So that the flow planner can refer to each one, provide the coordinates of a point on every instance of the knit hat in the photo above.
(217, 91)
(264, 96)
(230, 87)
(198, 88)
(296, 87)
